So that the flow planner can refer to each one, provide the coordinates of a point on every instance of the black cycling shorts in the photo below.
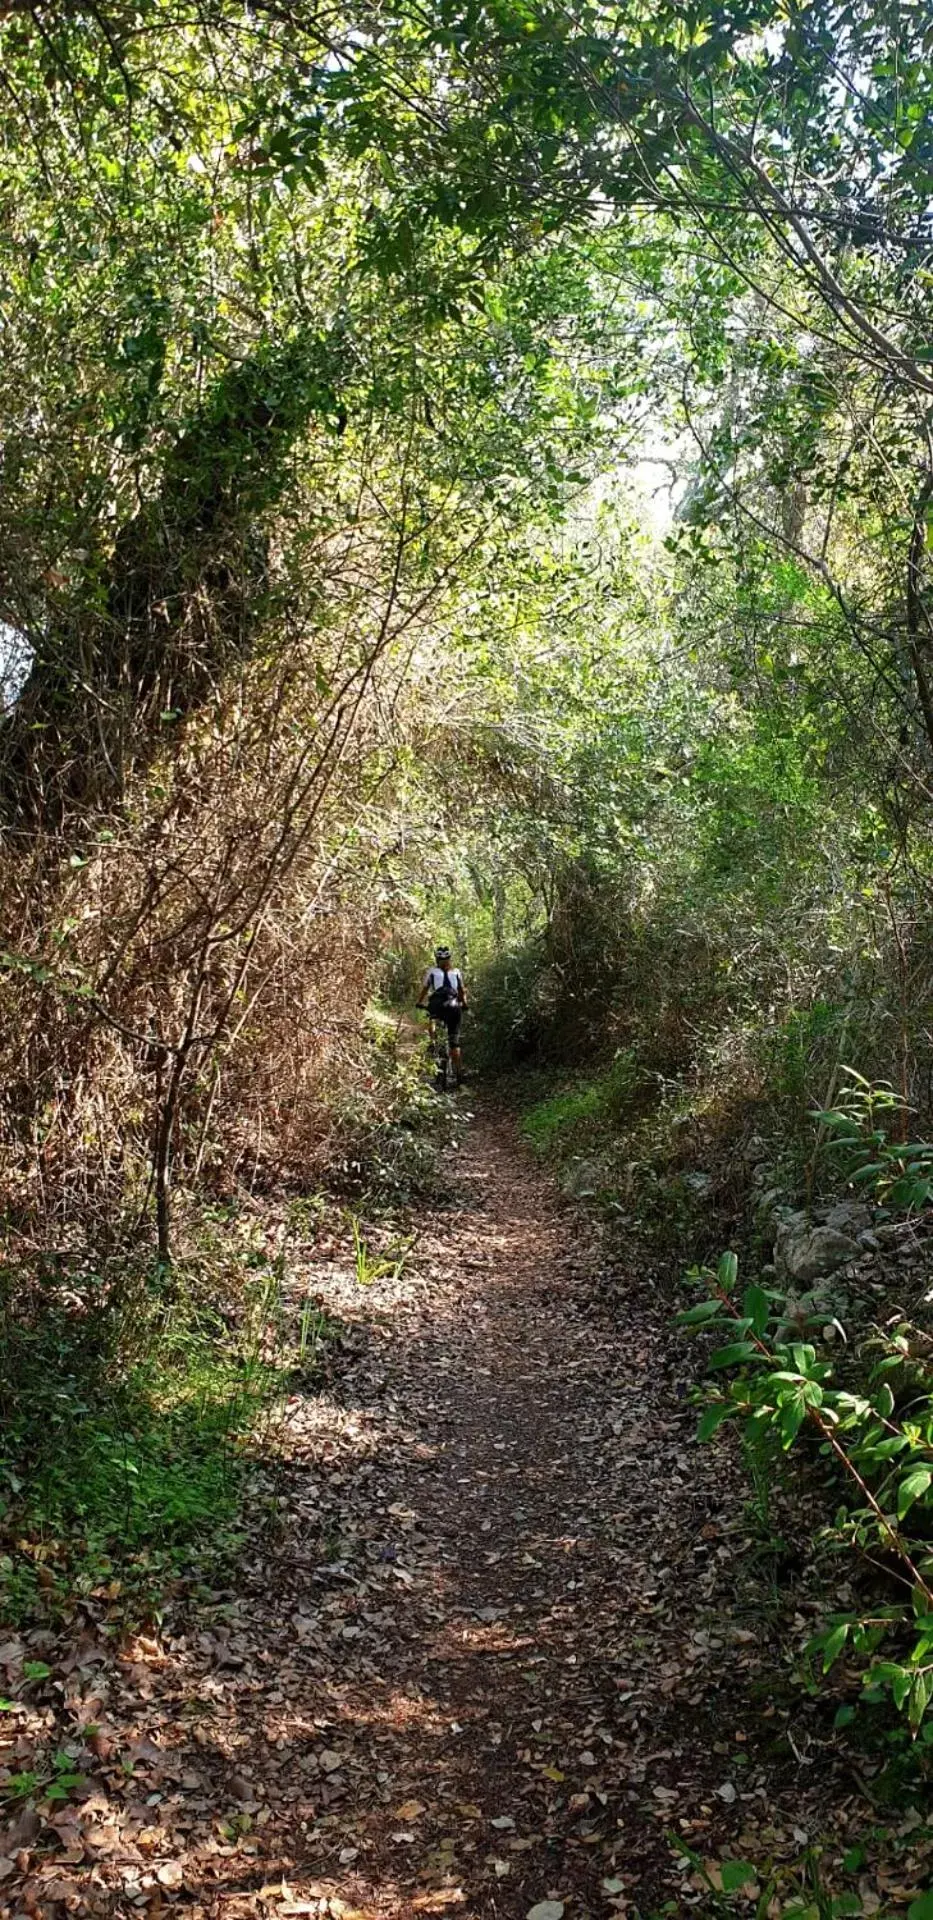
(453, 1021)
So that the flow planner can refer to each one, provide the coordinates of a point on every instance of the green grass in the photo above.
(573, 1115)
(117, 1472)
(552, 1122)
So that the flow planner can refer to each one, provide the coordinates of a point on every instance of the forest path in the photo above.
(516, 1669)
(492, 1655)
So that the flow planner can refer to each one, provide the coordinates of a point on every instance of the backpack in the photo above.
(441, 998)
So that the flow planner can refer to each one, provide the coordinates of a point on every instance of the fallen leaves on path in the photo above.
(486, 1660)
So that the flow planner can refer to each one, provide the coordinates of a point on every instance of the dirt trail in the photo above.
(495, 1656)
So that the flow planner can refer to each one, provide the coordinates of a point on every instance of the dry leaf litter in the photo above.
(493, 1658)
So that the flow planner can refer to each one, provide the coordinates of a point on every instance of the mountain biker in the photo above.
(444, 995)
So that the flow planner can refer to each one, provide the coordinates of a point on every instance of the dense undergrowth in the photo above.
(139, 1404)
(824, 1378)
(340, 613)
(706, 1066)
(819, 1354)
(134, 1410)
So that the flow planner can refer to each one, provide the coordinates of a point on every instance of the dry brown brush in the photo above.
(183, 973)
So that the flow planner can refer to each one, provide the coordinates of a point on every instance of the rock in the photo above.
(850, 1216)
(823, 1298)
(870, 1242)
(768, 1210)
(803, 1253)
(547, 1910)
(792, 1220)
(582, 1179)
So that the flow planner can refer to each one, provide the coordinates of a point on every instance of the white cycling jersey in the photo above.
(435, 977)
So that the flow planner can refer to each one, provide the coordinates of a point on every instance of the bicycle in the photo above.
(445, 1076)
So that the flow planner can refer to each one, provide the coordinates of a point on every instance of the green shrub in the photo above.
(877, 1444)
(390, 1132)
(512, 1003)
(126, 1407)
(589, 1110)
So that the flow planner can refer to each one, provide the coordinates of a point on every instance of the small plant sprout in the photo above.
(372, 1267)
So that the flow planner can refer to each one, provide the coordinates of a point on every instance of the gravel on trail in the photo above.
(488, 1662)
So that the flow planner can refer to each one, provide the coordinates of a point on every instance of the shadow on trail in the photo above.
(490, 1659)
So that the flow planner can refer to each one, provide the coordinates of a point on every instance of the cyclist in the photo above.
(444, 995)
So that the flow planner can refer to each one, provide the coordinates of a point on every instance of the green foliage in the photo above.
(805, 1045)
(316, 1330)
(510, 996)
(126, 1435)
(810, 1887)
(372, 1267)
(566, 1118)
(881, 1459)
(858, 1139)
(553, 1121)
(391, 1132)
(58, 1781)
